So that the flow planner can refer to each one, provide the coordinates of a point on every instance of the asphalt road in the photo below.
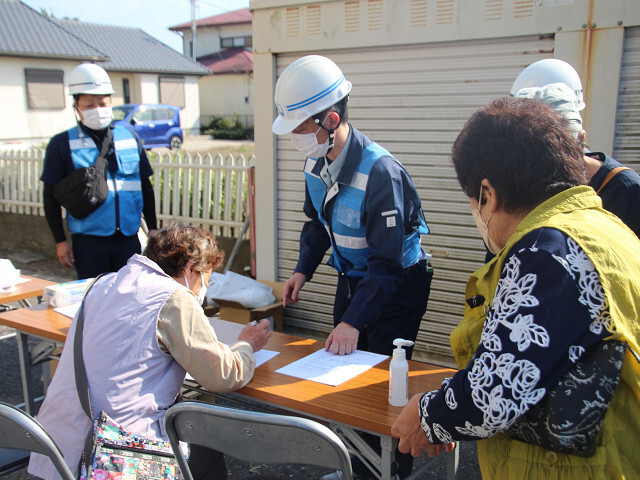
(204, 143)
(31, 263)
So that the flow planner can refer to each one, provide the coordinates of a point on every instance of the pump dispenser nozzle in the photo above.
(401, 342)
(399, 374)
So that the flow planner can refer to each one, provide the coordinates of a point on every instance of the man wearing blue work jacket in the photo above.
(361, 202)
(105, 239)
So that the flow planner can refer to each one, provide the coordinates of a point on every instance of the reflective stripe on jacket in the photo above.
(346, 229)
(123, 207)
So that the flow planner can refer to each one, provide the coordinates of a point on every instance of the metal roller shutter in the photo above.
(413, 101)
(627, 140)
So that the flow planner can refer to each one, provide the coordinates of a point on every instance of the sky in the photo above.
(152, 16)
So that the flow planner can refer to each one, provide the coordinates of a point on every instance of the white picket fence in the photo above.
(204, 190)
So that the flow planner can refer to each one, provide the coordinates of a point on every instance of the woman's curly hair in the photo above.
(173, 247)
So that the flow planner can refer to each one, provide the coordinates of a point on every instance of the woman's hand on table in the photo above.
(256, 334)
(412, 438)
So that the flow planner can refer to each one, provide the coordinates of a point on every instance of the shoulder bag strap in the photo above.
(82, 383)
(610, 175)
(101, 161)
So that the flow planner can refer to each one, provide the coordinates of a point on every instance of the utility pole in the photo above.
(193, 30)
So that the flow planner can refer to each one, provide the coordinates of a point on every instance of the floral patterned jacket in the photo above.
(568, 278)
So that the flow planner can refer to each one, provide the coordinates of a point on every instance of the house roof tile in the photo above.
(26, 33)
(230, 60)
(132, 49)
(230, 18)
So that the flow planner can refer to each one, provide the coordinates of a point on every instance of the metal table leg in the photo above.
(25, 372)
(453, 458)
(380, 464)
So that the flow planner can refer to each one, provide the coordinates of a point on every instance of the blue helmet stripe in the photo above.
(324, 93)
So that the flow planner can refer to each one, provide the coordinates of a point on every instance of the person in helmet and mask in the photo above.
(618, 186)
(361, 202)
(104, 240)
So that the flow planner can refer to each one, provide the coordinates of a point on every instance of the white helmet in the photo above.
(90, 78)
(308, 86)
(550, 70)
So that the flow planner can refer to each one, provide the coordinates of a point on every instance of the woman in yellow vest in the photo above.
(566, 277)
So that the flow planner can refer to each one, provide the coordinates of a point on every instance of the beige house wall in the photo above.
(208, 38)
(21, 127)
(226, 94)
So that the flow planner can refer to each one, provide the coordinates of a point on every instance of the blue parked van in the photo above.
(157, 125)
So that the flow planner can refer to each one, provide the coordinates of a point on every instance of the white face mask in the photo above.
(483, 227)
(307, 144)
(97, 118)
(203, 288)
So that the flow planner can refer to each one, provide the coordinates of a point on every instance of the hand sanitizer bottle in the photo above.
(399, 374)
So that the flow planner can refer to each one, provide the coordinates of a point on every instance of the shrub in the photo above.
(226, 128)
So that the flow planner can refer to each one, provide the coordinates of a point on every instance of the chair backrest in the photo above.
(19, 430)
(255, 437)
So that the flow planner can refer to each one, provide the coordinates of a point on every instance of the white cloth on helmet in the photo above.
(561, 98)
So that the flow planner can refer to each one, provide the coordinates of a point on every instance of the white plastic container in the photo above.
(399, 374)
(63, 294)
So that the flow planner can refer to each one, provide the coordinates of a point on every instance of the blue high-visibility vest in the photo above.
(348, 236)
(123, 207)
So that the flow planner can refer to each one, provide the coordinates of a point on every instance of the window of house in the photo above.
(45, 89)
(229, 42)
(172, 91)
(126, 91)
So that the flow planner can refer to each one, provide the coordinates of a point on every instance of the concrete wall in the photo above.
(190, 114)
(31, 233)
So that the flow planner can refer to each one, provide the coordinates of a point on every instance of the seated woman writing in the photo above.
(144, 328)
(565, 279)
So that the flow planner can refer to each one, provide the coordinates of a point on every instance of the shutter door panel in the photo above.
(413, 101)
(627, 141)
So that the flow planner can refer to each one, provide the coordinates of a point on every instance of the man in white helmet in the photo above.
(104, 240)
(618, 186)
(362, 203)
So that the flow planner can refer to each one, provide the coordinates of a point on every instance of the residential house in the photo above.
(37, 53)
(419, 69)
(224, 45)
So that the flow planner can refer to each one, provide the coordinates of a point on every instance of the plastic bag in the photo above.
(9, 275)
(248, 292)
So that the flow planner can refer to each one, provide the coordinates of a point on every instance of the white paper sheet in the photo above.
(325, 367)
(227, 333)
(14, 287)
(69, 310)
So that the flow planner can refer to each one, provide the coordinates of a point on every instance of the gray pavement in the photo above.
(204, 143)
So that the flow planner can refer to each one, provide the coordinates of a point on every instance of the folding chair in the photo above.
(255, 437)
(20, 431)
